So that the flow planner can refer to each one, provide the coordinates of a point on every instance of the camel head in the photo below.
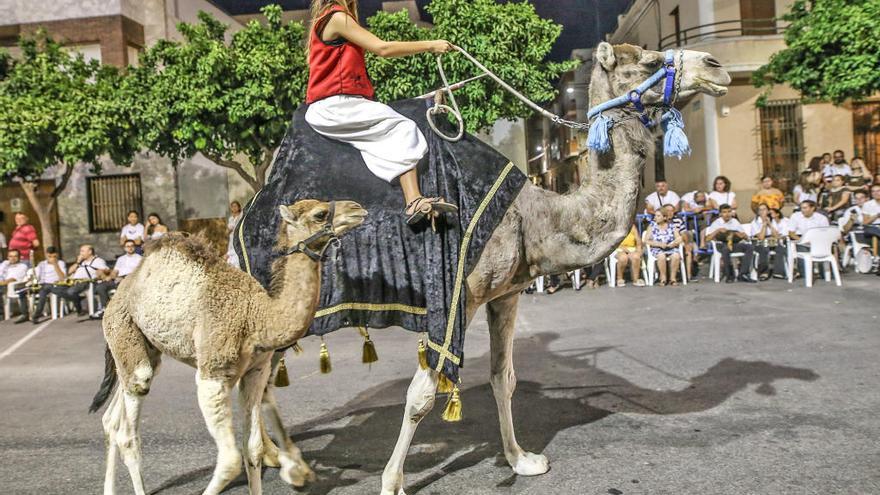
(304, 221)
(627, 66)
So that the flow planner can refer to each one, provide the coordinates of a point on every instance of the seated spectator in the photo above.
(629, 253)
(694, 202)
(132, 231)
(662, 196)
(731, 237)
(11, 271)
(861, 178)
(155, 227)
(853, 217)
(837, 200)
(768, 231)
(592, 274)
(686, 238)
(838, 166)
(87, 268)
(825, 162)
(721, 194)
(47, 274)
(125, 264)
(663, 240)
(807, 187)
(802, 221)
(24, 238)
(871, 214)
(767, 195)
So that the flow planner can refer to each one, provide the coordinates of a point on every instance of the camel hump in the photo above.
(195, 247)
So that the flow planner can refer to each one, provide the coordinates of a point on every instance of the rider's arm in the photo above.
(342, 25)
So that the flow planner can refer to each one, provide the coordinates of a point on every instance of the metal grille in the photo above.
(866, 128)
(111, 198)
(781, 127)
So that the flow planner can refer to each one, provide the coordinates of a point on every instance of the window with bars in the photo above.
(110, 198)
(782, 141)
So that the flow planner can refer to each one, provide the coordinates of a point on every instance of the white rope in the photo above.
(454, 110)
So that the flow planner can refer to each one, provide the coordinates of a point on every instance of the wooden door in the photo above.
(866, 133)
(758, 17)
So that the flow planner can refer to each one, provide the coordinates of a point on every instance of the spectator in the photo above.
(853, 217)
(802, 221)
(807, 187)
(13, 270)
(87, 267)
(592, 274)
(664, 239)
(825, 162)
(861, 175)
(837, 200)
(767, 195)
(125, 264)
(838, 167)
(47, 274)
(629, 253)
(235, 214)
(768, 231)
(731, 238)
(816, 164)
(24, 237)
(132, 231)
(694, 202)
(155, 227)
(721, 194)
(871, 214)
(662, 196)
(686, 238)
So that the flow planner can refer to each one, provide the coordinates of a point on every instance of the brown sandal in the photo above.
(422, 207)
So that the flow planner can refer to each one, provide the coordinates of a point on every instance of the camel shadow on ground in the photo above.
(356, 439)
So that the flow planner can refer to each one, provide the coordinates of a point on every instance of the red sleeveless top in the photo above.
(335, 67)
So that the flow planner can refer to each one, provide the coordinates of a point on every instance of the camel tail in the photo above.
(107, 384)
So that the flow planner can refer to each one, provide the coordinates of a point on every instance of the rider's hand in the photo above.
(440, 46)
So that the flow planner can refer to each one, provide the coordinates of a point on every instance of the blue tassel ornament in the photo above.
(675, 141)
(598, 139)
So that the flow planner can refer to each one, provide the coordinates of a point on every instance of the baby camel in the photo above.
(185, 302)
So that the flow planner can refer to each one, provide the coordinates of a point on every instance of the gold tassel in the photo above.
(445, 386)
(452, 414)
(297, 349)
(369, 355)
(326, 367)
(281, 379)
(423, 355)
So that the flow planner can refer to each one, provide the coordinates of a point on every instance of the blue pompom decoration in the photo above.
(598, 139)
(675, 142)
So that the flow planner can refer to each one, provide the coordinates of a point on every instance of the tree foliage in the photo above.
(221, 98)
(832, 53)
(508, 38)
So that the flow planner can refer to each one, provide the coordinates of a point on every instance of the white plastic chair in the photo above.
(715, 264)
(852, 251)
(821, 241)
(651, 262)
(611, 269)
(10, 295)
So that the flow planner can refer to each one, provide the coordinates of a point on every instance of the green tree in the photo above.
(510, 39)
(58, 110)
(230, 100)
(832, 51)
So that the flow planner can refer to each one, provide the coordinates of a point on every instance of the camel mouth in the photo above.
(713, 89)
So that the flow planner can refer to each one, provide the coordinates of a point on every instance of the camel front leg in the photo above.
(293, 468)
(251, 388)
(502, 319)
(419, 402)
(217, 409)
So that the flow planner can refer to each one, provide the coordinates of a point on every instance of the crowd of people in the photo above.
(681, 232)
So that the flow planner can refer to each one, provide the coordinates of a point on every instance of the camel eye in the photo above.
(321, 215)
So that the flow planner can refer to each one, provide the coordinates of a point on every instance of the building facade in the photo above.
(732, 135)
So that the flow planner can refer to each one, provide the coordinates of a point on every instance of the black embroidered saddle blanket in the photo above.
(385, 272)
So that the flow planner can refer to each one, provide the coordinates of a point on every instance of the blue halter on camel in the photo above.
(675, 142)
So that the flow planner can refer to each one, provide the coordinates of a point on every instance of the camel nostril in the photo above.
(712, 62)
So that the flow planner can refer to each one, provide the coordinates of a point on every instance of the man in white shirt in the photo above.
(87, 267)
(11, 271)
(125, 264)
(132, 231)
(662, 196)
(47, 273)
(731, 237)
(838, 167)
(871, 215)
(802, 221)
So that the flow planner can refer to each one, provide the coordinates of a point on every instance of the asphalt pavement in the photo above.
(705, 389)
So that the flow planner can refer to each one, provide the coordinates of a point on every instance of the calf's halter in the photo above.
(304, 246)
(675, 142)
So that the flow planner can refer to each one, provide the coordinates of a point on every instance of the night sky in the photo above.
(584, 21)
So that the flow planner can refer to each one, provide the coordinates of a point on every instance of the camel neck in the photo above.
(291, 301)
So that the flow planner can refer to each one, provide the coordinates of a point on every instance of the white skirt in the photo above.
(390, 143)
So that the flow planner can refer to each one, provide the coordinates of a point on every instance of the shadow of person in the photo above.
(357, 438)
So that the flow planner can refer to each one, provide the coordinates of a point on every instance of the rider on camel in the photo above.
(341, 104)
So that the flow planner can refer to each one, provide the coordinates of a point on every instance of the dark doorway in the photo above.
(866, 133)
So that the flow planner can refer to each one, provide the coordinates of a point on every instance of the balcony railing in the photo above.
(722, 29)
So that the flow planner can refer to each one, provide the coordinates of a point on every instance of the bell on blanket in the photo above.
(452, 414)
(281, 378)
(369, 354)
(326, 367)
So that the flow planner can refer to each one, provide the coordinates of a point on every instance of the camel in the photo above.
(184, 301)
(545, 233)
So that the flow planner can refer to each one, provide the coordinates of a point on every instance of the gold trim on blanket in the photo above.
(247, 262)
(403, 308)
(444, 351)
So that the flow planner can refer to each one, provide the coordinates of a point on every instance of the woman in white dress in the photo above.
(155, 227)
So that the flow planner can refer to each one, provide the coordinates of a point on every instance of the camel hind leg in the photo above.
(136, 364)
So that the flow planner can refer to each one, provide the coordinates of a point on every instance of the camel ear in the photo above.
(287, 214)
(605, 56)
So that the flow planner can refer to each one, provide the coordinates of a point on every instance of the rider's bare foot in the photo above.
(421, 207)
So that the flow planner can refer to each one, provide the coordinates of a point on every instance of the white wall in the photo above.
(28, 11)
